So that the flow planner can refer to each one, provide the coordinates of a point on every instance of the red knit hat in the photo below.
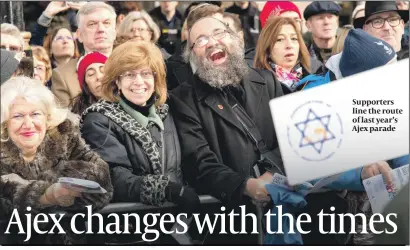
(87, 60)
(276, 8)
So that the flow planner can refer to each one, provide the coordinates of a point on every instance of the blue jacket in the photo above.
(399, 161)
(312, 81)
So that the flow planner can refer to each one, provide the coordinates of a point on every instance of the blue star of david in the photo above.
(327, 134)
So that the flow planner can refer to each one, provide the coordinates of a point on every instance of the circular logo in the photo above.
(315, 131)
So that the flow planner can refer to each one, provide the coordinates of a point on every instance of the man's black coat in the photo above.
(218, 155)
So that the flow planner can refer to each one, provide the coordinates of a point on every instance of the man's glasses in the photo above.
(132, 76)
(377, 23)
(204, 40)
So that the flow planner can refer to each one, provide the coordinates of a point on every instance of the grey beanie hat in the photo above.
(9, 63)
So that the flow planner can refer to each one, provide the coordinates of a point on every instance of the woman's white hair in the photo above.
(32, 91)
(125, 27)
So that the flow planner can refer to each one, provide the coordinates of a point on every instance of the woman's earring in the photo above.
(5, 132)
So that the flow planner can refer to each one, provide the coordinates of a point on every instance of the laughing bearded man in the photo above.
(218, 153)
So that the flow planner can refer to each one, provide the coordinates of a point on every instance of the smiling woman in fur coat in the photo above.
(39, 144)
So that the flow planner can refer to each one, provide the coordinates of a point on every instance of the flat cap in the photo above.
(319, 7)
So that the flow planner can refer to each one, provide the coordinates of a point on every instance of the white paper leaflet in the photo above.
(379, 193)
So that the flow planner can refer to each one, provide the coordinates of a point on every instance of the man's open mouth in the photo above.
(217, 56)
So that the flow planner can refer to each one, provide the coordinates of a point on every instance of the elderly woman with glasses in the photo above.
(39, 144)
(133, 130)
(139, 26)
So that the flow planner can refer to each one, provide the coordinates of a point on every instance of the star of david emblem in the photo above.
(315, 131)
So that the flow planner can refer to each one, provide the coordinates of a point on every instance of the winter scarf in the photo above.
(289, 79)
(153, 185)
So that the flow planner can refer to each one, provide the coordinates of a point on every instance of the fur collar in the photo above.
(54, 147)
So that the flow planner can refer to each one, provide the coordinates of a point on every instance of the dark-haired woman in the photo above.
(90, 73)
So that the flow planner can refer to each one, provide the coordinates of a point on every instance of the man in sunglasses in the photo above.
(385, 21)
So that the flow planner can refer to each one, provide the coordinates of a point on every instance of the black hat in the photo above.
(319, 7)
(9, 63)
(373, 7)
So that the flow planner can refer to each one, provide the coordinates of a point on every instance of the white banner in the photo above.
(344, 124)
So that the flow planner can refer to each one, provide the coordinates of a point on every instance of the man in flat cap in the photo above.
(322, 20)
(385, 21)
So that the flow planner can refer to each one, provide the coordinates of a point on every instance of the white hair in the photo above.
(126, 24)
(90, 7)
(32, 91)
(12, 30)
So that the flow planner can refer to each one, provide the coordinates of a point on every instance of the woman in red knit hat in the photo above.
(280, 8)
(90, 72)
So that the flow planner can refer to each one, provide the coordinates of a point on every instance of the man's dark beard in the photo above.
(233, 70)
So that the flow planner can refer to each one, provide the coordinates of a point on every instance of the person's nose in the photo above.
(386, 26)
(138, 80)
(211, 42)
(100, 75)
(101, 27)
(288, 44)
(28, 122)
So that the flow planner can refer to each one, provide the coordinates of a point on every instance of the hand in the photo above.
(267, 177)
(56, 194)
(255, 188)
(14, 178)
(76, 5)
(54, 7)
(374, 169)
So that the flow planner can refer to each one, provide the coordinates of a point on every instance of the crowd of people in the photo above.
(161, 106)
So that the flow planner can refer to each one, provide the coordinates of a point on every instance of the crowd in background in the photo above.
(165, 105)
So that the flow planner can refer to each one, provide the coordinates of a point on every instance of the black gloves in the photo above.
(185, 197)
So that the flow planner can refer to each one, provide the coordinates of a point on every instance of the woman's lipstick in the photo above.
(27, 134)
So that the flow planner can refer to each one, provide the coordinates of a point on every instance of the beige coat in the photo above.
(65, 85)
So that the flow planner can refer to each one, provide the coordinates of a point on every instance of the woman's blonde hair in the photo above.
(40, 54)
(129, 56)
(125, 27)
(267, 40)
(340, 40)
(32, 91)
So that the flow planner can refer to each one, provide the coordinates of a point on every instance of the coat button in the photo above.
(159, 144)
